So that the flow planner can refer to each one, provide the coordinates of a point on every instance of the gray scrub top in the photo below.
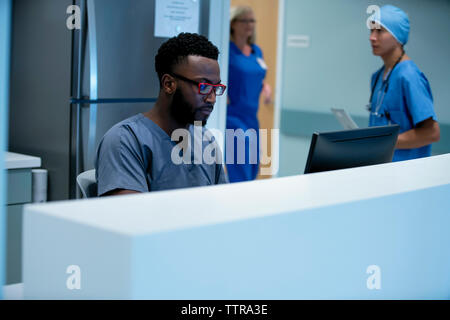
(135, 154)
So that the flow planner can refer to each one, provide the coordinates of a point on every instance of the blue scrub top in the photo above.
(408, 101)
(136, 154)
(245, 82)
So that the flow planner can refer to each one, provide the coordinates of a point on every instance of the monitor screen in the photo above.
(351, 148)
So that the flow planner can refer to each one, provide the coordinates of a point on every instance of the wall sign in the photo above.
(175, 16)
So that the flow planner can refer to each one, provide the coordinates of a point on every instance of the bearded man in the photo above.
(136, 154)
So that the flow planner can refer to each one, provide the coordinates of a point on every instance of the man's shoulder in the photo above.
(410, 76)
(130, 126)
(124, 132)
(132, 121)
(408, 69)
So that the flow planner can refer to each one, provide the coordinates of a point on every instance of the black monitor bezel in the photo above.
(353, 134)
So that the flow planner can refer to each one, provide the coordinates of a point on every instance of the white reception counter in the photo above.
(378, 232)
(19, 161)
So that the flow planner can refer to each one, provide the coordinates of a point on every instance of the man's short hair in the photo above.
(177, 49)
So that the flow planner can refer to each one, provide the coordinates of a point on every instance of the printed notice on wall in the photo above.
(175, 16)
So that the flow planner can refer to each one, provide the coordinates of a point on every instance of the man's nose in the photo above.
(211, 98)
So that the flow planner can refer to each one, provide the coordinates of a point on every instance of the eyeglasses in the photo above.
(246, 20)
(203, 87)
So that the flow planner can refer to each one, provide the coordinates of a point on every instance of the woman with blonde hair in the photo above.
(247, 71)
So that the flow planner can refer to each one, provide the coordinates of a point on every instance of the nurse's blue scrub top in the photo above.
(408, 101)
(245, 82)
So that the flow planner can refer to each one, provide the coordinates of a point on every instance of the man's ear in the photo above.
(169, 85)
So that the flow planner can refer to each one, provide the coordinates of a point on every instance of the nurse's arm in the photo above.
(267, 93)
(425, 133)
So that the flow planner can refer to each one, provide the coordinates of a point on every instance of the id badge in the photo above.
(261, 63)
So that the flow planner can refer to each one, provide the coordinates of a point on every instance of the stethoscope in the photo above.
(382, 92)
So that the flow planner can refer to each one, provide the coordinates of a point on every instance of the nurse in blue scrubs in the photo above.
(401, 93)
(247, 71)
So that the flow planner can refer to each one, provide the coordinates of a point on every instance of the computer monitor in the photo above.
(351, 148)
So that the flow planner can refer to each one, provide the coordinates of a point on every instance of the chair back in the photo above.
(87, 183)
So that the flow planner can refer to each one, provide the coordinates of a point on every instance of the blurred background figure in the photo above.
(401, 93)
(247, 71)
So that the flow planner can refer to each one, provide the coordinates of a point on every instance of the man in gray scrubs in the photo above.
(137, 154)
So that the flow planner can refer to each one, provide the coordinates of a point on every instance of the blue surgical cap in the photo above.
(396, 21)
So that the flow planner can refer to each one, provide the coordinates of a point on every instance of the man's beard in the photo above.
(183, 112)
